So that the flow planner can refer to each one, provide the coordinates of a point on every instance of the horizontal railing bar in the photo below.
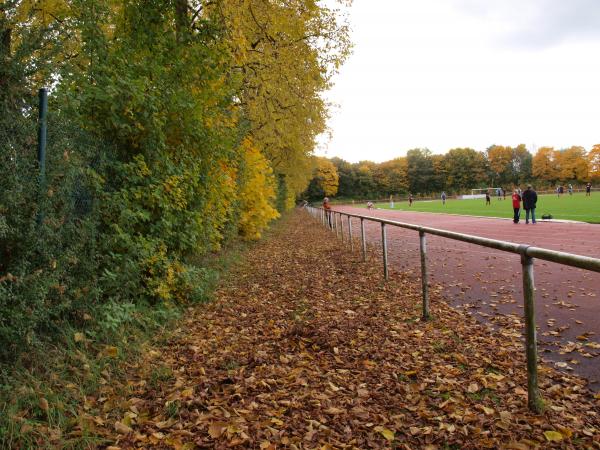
(568, 259)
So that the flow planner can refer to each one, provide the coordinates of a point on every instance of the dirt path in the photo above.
(306, 347)
(487, 282)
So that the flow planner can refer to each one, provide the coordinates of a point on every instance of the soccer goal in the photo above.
(480, 193)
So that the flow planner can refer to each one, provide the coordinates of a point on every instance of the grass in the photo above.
(576, 207)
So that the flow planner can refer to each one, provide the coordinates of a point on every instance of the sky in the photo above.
(442, 74)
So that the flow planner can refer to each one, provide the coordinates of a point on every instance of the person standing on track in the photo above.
(529, 203)
(327, 208)
(516, 202)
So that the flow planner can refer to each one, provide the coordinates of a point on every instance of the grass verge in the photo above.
(45, 396)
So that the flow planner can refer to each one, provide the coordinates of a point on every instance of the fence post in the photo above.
(424, 275)
(342, 226)
(534, 400)
(363, 239)
(41, 150)
(350, 233)
(42, 127)
(384, 248)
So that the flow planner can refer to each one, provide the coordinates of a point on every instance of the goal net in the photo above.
(480, 193)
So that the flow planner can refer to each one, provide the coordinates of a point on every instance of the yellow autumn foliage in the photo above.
(256, 194)
(594, 163)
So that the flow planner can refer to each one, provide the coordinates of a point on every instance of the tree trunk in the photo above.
(181, 18)
(5, 42)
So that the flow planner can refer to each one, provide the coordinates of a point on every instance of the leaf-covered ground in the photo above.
(306, 347)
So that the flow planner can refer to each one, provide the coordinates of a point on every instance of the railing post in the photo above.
(350, 233)
(337, 229)
(363, 239)
(384, 249)
(424, 275)
(342, 226)
(534, 400)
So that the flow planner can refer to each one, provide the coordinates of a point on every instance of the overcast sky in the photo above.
(467, 73)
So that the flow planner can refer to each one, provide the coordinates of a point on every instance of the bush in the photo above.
(48, 231)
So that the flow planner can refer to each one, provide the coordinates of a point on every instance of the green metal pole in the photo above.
(42, 132)
(41, 149)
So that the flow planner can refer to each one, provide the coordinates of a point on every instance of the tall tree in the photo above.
(594, 163)
(420, 170)
(572, 163)
(500, 164)
(391, 177)
(439, 182)
(544, 165)
(520, 165)
(325, 179)
(281, 98)
(348, 180)
(465, 167)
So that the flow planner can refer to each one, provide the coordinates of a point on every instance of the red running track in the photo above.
(488, 283)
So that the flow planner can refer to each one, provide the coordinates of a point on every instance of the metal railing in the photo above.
(329, 218)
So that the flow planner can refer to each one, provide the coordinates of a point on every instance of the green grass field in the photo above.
(576, 207)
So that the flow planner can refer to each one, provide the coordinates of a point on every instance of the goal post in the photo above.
(480, 193)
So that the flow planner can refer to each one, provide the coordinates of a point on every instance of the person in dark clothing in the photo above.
(516, 202)
(487, 198)
(588, 189)
(529, 203)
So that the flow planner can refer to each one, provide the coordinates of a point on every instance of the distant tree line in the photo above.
(422, 173)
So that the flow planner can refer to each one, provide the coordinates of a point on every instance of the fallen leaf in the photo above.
(386, 433)
(44, 404)
(121, 428)
(215, 430)
(553, 436)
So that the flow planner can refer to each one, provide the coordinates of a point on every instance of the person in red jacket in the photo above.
(516, 202)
